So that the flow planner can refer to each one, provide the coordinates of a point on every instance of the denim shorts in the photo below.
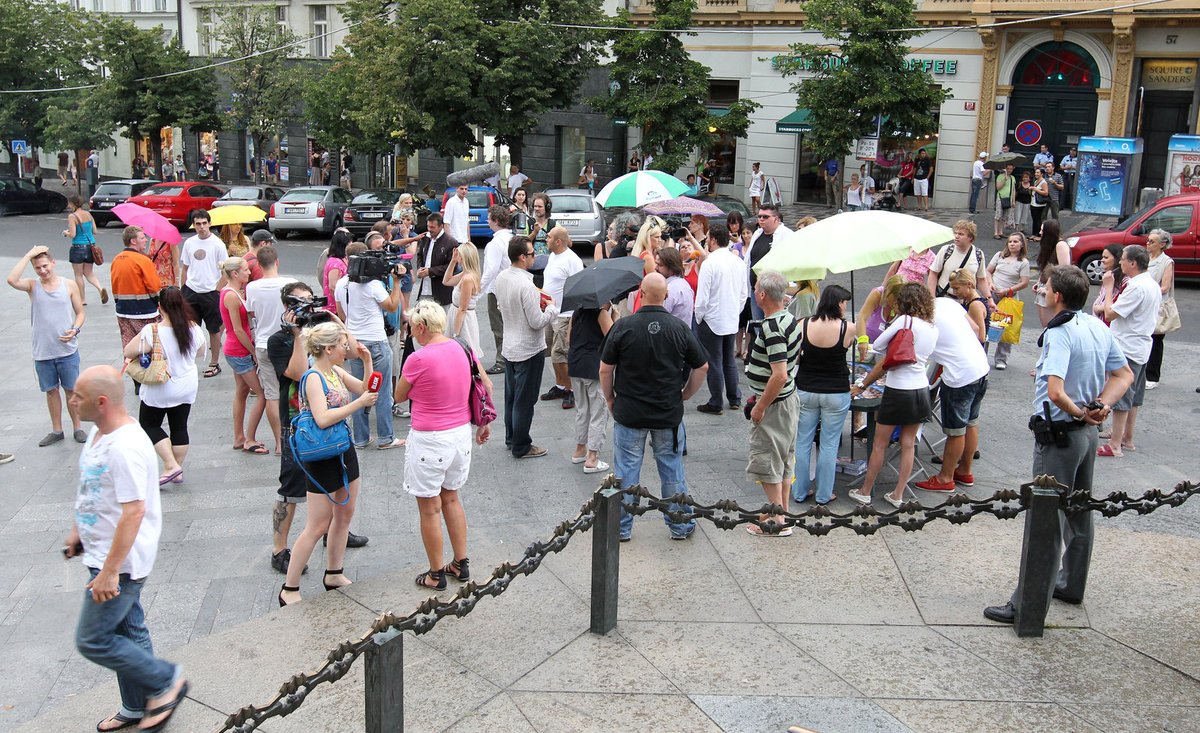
(960, 406)
(60, 372)
(240, 364)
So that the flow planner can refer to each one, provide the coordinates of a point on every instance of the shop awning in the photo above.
(795, 123)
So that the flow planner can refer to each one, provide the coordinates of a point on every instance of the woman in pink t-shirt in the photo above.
(437, 379)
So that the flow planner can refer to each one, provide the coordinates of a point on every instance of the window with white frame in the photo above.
(205, 28)
(281, 17)
(160, 6)
(135, 6)
(97, 6)
(320, 26)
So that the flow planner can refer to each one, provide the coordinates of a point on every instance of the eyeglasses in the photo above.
(530, 253)
(766, 216)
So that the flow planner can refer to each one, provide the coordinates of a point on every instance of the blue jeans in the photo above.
(830, 411)
(114, 635)
(722, 365)
(381, 361)
(522, 382)
(629, 447)
(976, 185)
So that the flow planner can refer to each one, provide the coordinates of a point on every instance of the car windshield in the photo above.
(572, 205)
(1126, 223)
(114, 189)
(293, 196)
(728, 205)
(479, 199)
(242, 193)
(385, 198)
(163, 191)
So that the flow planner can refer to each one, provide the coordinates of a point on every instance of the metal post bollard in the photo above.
(1040, 552)
(384, 683)
(606, 560)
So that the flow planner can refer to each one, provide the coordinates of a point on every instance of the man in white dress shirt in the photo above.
(495, 260)
(722, 291)
(457, 215)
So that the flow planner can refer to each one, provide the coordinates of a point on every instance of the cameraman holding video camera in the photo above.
(362, 298)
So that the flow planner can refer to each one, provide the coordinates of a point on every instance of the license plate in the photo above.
(295, 209)
(371, 215)
(106, 204)
(474, 218)
(569, 222)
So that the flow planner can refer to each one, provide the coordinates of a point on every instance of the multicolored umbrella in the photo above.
(640, 188)
(681, 206)
(235, 214)
(154, 224)
(851, 241)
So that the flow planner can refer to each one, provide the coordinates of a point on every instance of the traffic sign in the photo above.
(20, 147)
(1028, 133)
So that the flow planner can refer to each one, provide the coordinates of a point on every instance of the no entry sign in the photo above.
(1028, 133)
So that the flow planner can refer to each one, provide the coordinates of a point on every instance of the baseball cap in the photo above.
(982, 153)
(262, 235)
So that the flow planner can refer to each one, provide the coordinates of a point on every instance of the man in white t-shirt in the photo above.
(979, 176)
(118, 520)
(1131, 318)
(560, 265)
(495, 260)
(265, 305)
(201, 276)
(360, 305)
(516, 178)
(964, 383)
(457, 215)
(963, 254)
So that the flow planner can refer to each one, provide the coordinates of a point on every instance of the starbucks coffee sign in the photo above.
(1169, 74)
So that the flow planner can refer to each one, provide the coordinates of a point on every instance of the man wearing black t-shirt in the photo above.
(285, 349)
(642, 373)
(770, 225)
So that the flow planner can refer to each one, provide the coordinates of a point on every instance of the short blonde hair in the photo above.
(429, 314)
(966, 227)
(230, 265)
(320, 338)
(962, 278)
(805, 221)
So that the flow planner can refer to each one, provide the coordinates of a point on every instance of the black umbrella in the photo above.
(1002, 159)
(602, 283)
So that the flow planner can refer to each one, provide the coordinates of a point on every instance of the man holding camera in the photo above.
(363, 298)
(1081, 373)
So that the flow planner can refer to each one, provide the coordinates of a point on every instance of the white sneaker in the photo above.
(1151, 385)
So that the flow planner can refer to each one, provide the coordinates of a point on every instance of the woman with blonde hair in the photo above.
(649, 239)
(237, 244)
(437, 378)
(327, 391)
(403, 205)
(239, 354)
(805, 221)
(962, 285)
(464, 275)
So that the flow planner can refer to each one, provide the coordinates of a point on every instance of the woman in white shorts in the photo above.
(437, 379)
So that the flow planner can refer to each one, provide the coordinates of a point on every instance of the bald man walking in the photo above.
(118, 520)
(642, 373)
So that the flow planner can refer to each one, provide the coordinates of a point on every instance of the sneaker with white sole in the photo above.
(1151, 385)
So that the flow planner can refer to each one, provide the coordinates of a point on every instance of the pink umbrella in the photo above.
(154, 224)
(681, 205)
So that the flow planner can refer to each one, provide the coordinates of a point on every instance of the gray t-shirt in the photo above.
(52, 315)
(1008, 272)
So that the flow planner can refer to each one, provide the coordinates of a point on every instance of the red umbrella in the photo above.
(154, 224)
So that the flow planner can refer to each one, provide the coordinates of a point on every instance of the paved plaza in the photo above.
(723, 632)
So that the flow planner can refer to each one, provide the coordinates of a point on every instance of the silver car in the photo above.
(577, 212)
(309, 209)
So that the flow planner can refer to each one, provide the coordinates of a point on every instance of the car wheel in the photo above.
(1093, 268)
(58, 207)
(281, 234)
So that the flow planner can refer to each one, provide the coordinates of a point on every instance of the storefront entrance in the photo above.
(1164, 109)
(1055, 86)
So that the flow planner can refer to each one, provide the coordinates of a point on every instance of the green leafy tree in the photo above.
(46, 45)
(264, 87)
(861, 74)
(658, 87)
(143, 105)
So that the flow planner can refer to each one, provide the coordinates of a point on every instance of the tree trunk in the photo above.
(156, 151)
(259, 141)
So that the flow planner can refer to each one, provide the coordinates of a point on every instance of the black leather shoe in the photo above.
(1060, 596)
(709, 409)
(352, 540)
(1005, 614)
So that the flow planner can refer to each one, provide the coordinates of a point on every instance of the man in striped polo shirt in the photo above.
(770, 371)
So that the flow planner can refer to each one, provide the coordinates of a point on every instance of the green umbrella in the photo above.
(851, 241)
(640, 188)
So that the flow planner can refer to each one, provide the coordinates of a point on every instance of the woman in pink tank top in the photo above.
(239, 354)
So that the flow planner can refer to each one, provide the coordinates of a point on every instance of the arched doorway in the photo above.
(1055, 85)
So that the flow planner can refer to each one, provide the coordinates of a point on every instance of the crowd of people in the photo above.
(368, 345)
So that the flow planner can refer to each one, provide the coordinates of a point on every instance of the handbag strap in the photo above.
(156, 350)
(304, 392)
(313, 480)
(475, 376)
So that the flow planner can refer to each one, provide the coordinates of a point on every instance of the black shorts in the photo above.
(328, 473)
(207, 309)
(81, 254)
(293, 485)
(904, 407)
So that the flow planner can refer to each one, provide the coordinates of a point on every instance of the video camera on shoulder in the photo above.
(376, 264)
(675, 230)
(308, 311)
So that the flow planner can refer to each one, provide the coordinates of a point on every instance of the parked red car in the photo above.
(1179, 215)
(176, 200)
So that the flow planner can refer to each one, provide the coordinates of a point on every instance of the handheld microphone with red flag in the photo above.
(374, 381)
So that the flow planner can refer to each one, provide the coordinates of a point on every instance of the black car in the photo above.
(374, 205)
(110, 193)
(19, 196)
(260, 196)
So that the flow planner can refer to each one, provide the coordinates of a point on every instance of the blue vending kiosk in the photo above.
(1183, 165)
(1108, 173)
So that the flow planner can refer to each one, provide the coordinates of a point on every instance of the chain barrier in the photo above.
(724, 514)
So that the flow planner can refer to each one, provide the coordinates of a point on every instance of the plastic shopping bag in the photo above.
(1013, 312)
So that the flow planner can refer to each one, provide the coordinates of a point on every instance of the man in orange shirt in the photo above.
(135, 285)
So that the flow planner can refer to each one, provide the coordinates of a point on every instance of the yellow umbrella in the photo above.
(235, 214)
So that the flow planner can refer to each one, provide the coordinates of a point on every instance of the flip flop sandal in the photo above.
(117, 718)
(212, 370)
(172, 477)
(168, 708)
(257, 449)
(1106, 451)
